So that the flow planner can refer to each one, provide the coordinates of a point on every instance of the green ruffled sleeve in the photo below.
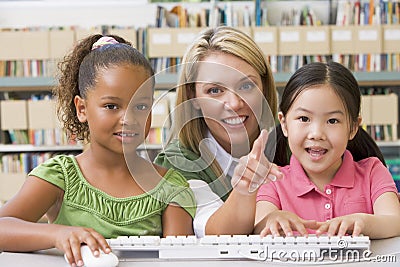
(52, 170)
(180, 192)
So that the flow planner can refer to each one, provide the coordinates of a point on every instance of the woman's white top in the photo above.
(207, 201)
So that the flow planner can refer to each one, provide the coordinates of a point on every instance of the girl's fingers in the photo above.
(343, 229)
(286, 228)
(101, 242)
(68, 255)
(333, 227)
(300, 228)
(311, 224)
(266, 231)
(322, 229)
(357, 229)
(76, 252)
(275, 229)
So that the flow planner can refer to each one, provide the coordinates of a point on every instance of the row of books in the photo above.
(28, 68)
(36, 137)
(369, 13)
(380, 113)
(22, 122)
(285, 55)
(362, 48)
(24, 162)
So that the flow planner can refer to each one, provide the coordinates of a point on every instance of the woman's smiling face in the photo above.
(228, 93)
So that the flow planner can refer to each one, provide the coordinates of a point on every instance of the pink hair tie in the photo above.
(104, 41)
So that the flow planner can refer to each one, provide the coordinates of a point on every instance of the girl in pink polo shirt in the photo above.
(336, 181)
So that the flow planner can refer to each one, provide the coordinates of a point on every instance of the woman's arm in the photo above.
(176, 221)
(207, 202)
(237, 214)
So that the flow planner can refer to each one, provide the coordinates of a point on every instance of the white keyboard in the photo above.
(238, 247)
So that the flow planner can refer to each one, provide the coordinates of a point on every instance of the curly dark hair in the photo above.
(78, 72)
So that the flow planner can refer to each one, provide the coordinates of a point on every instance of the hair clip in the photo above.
(104, 41)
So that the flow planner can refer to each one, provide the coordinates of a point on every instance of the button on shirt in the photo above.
(354, 188)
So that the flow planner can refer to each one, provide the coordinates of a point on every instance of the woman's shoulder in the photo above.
(175, 156)
(175, 148)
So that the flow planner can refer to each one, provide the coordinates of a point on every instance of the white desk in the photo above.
(53, 257)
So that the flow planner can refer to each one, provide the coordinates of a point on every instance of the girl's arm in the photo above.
(176, 221)
(19, 230)
(381, 224)
(263, 209)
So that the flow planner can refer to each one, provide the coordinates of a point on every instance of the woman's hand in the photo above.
(254, 169)
(69, 240)
(353, 224)
(282, 222)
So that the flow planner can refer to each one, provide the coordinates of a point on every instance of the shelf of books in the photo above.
(169, 80)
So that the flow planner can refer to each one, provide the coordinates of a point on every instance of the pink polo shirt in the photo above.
(354, 189)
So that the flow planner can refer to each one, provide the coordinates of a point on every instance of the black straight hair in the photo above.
(342, 81)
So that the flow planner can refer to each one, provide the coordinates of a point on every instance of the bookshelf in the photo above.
(168, 80)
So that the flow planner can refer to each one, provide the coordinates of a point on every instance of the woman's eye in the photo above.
(214, 91)
(333, 121)
(111, 106)
(304, 119)
(142, 107)
(247, 86)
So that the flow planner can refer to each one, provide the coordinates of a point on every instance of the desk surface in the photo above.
(386, 251)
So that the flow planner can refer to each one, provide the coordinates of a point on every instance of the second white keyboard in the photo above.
(238, 247)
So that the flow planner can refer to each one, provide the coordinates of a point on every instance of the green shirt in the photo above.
(86, 206)
(191, 166)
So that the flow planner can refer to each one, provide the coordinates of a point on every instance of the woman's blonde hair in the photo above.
(220, 39)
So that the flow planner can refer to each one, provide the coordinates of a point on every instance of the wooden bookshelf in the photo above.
(169, 80)
(10, 148)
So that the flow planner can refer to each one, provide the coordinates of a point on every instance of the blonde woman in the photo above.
(226, 96)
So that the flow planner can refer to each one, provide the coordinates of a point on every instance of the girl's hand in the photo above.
(254, 169)
(353, 224)
(282, 222)
(69, 240)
